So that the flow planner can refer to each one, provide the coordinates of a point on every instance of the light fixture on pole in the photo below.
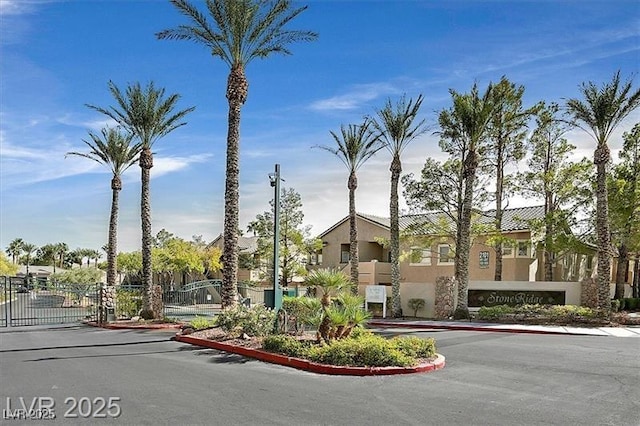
(274, 179)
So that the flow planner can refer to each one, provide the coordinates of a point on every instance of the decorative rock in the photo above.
(445, 300)
(589, 294)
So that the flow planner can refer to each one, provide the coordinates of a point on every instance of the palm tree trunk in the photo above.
(237, 88)
(150, 304)
(601, 158)
(353, 231)
(459, 207)
(116, 186)
(396, 169)
(621, 271)
(464, 245)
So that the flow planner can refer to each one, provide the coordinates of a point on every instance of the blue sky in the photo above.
(57, 56)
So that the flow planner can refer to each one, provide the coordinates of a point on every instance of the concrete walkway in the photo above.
(628, 331)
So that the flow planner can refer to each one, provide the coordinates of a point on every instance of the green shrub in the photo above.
(256, 321)
(615, 305)
(286, 345)
(631, 303)
(371, 351)
(304, 311)
(494, 312)
(415, 347)
(128, 303)
(202, 323)
(416, 305)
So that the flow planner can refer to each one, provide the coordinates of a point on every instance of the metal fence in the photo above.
(38, 302)
(4, 301)
(33, 302)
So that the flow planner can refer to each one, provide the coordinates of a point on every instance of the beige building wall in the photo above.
(368, 248)
(482, 260)
(422, 290)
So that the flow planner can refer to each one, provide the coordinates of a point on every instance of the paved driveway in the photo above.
(490, 379)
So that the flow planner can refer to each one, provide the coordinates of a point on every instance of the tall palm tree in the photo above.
(28, 249)
(468, 120)
(149, 116)
(355, 145)
(240, 31)
(113, 149)
(14, 249)
(601, 111)
(395, 125)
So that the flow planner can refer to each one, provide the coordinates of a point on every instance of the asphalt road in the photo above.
(490, 379)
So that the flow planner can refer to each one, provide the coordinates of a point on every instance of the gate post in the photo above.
(107, 307)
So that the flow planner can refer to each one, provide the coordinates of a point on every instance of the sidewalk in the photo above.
(629, 331)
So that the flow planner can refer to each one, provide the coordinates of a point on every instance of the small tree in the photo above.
(295, 238)
(6, 267)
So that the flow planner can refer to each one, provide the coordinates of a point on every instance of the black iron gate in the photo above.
(4, 301)
(33, 302)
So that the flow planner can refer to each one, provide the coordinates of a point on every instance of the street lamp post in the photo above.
(274, 178)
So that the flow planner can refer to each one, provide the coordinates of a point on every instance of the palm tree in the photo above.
(113, 149)
(356, 144)
(242, 30)
(95, 255)
(396, 128)
(148, 115)
(602, 110)
(330, 282)
(28, 249)
(14, 249)
(467, 121)
(61, 251)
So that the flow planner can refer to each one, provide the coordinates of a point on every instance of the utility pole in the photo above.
(274, 178)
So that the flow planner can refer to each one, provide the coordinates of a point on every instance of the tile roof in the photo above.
(515, 219)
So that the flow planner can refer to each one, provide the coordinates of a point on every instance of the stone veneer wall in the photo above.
(107, 302)
(589, 294)
(445, 300)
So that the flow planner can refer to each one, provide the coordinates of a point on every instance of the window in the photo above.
(484, 259)
(444, 255)
(345, 253)
(523, 249)
(589, 263)
(507, 250)
(420, 256)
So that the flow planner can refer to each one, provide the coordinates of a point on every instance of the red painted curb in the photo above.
(314, 367)
(470, 328)
(134, 326)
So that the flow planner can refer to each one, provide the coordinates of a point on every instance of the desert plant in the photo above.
(286, 345)
(202, 323)
(416, 305)
(415, 346)
(367, 350)
(257, 321)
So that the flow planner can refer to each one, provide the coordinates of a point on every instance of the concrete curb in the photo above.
(133, 326)
(302, 364)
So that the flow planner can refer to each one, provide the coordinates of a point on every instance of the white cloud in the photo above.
(14, 7)
(165, 165)
(355, 97)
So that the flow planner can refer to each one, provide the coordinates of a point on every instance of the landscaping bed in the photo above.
(561, 315)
